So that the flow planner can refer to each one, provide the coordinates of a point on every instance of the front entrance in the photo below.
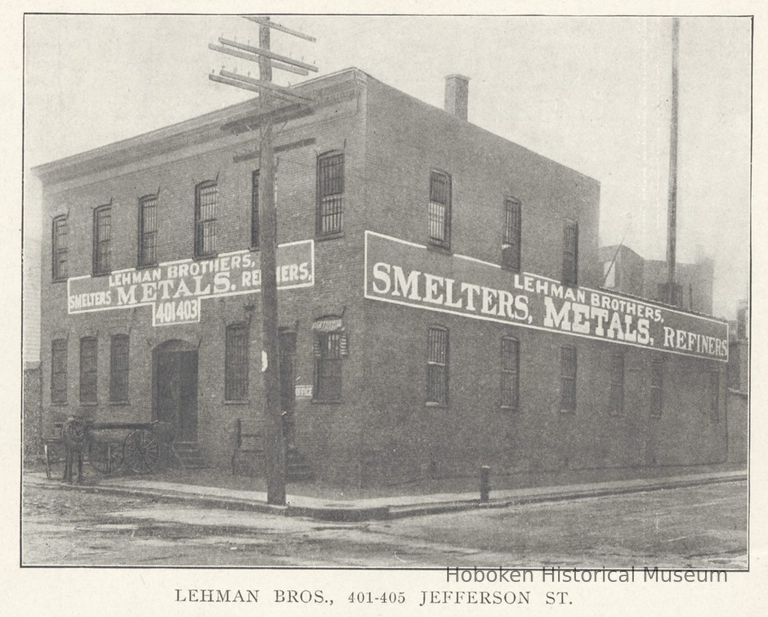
(175, 390)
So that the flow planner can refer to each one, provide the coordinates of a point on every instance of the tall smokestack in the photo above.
(457, 95)
(672, 193)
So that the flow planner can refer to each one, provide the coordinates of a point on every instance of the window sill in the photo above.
(436, 405)
(509, 409)
(119, 403)
(89, 404)
(99, 274)
(333, 236)
(319, 402)
(59, 403)
(59, 280)
(439, 248)
(253, 248)
(244, 401)
(568, 411)
(206, 256)
(146, 266)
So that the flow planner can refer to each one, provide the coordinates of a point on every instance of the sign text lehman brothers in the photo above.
(174, 289)
(409, 274)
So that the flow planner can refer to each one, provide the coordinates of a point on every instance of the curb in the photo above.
(354, 514)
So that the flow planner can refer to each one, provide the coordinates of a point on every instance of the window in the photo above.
(567, 378)
(510, 367)
(118, 369)
(148, 230)
(206, 197)
(59, 248)
(88, 363)
(328, 366)
(330, 193)
(657, 387)
(570, 253)
(102, 240)
(236, 363)
(437, 365)
(255, 209)
(616, 396)
(439, 212)
(714, 394)
(59, 371)
(510, 247)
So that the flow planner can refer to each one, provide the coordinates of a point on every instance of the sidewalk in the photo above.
(351, 510)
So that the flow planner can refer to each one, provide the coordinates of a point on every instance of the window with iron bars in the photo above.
(236, 363)
(510, 369)
(657, 387)
(439, 210)
(437, 365)
(88, 369)
(616, 395)
(60, 248)
(206, 198)
(571, 253)
(59, 371)
(511, 243)
(567, 378)
(148, 231)
(102, 240)
(328, 367)
(118, 368)
(330, 193)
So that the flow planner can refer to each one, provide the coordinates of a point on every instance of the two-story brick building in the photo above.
(439, 297)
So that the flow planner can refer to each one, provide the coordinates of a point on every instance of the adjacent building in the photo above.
(440, 298)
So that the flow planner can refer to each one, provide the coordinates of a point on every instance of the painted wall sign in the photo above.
(409, 274)
(175, 289)
(303, 391)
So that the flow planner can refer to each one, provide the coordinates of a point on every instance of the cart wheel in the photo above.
(141, 451)
(104, 456)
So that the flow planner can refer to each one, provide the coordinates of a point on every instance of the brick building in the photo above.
(416, 342)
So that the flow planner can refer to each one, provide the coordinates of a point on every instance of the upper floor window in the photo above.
(148, 230)
(616, 396)
(510, 368)
(59, 371)
(567, 378)
(330, 193)
(60, 248)
(236, 363)
(657, 387)
(206, 198)
(510, 247)
(571, 253)
(255, 209)
(437, 365)
(88, 368)
(102, 240)
(439, 212)
(118, 368)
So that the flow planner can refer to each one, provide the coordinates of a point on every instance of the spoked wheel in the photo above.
(105, 456)
(141, 451)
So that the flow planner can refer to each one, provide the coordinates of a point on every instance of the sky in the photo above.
(589, 92)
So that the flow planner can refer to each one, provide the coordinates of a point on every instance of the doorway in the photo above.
(174, 385)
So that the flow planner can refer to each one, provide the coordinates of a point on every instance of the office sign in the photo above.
(174, 290)
(411, 274)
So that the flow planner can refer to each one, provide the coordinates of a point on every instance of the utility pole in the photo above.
(672, 189)
(270, 95)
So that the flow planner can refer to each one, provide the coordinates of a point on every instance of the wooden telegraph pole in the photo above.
(270, 97)
(672, 190)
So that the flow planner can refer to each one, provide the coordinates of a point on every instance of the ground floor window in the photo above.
(567, 378)
(118, 369)
(657, 387)
(510, 366)
(437, 365)
(236, 363)
(328, 359)
(59, 371)
(88, 369)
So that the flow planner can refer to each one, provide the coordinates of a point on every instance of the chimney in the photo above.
(456, 95)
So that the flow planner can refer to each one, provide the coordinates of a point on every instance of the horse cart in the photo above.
(113, 447)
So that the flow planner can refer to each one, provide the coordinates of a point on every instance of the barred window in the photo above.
(206, 198)
(571, 253)
(148, 230)
(437, 365)
(510, 369)
(714, 394)
(118, 368)
(567, 378)
(616, 396)
(439, 211)
(255, 209)
(657, 387)
(102, 240)
(60, 248)
(88, 368)
(328, 366)
(330, 193)
(511, 243)
(236, 363)
(59, 371)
